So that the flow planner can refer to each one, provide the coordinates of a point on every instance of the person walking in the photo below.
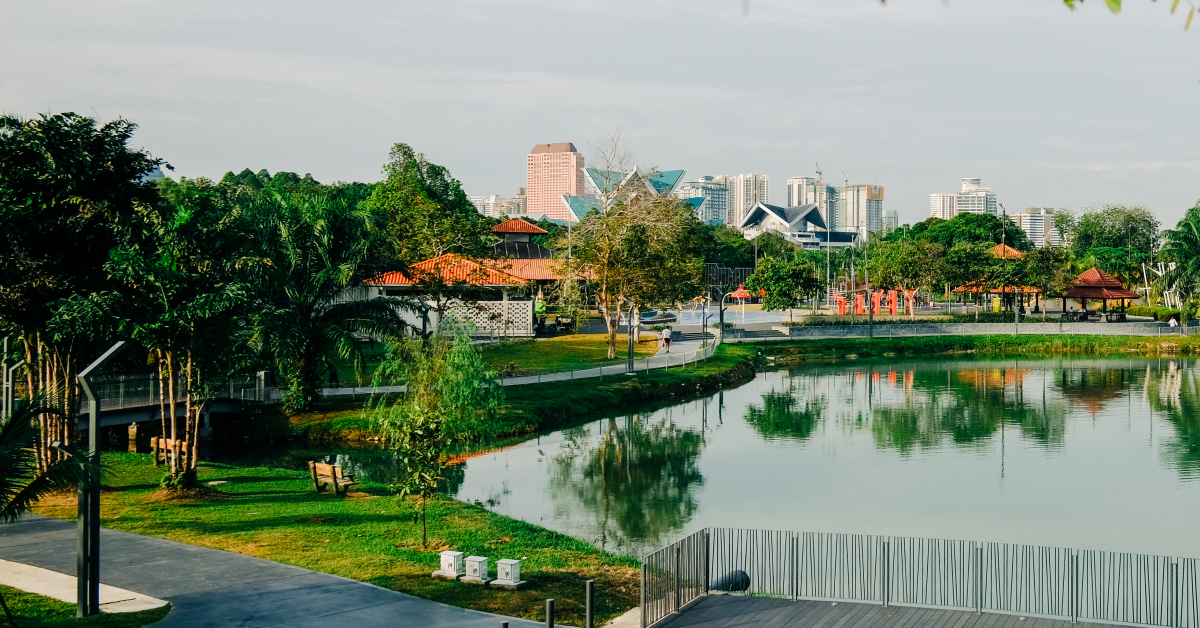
(666, 338)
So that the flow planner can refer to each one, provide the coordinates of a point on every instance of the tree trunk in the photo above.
(174, 466)
(424, 522)
(162, 400)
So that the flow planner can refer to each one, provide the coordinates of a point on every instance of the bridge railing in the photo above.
(1054, 582)
(117, 392)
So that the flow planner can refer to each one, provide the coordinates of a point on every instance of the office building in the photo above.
(715, 195)
(973, 199)
(805, 190)
(510, 206)
(484, 204)
(553, 170)
(860, 209)
(1038, 224)
(745, 191)
(891, 220)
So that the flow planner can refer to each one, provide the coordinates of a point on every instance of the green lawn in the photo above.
(370, 536)
(36, 611)
(563, 353)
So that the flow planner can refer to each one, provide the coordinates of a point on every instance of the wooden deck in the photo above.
(720, 611)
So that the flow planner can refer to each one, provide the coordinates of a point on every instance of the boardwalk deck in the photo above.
(721, 611)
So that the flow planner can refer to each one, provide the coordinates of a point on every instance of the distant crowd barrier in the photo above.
(1054, 582)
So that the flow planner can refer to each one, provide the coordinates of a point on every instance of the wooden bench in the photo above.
(167, 448)
(328, 474)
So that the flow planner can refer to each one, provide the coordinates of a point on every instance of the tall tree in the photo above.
(68, 185)
(427, 212)
(637, 254)
(907, 264)
(785, 282)
(307, 303)
(1182, 247)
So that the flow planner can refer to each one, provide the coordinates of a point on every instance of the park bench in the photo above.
(328, 474)
(167, 448)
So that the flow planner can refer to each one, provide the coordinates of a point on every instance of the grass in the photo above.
(37, 611)
(563, 353)
(370, 536)
(983, 346)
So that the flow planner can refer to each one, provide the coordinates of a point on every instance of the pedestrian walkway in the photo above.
(208, 587)
(61, 587)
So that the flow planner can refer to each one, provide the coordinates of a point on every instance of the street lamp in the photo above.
(88, 519)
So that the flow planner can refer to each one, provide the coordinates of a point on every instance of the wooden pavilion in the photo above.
(1096, 285)
(1018, 294)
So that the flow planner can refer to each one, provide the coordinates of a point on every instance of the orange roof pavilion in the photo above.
(1097, 284)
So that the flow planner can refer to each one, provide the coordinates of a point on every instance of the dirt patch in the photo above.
(201, 494)
(434, 545)
(360, 495)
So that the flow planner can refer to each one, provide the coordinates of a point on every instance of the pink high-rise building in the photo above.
(554, 170)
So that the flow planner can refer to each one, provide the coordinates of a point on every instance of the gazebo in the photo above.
(976, 288)
(1097, 285)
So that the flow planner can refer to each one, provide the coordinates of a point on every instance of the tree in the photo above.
(785, 282)
(1182, 247)
(449, 398)
(318, 252)
(22, 481)
(637, 254)
(1115, 238)
(969, 264)
(68, 187)
(1049, 269)
(970, 228)
(907, 264)
(427, 212)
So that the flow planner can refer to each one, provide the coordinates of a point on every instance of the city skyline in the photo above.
(328, 89)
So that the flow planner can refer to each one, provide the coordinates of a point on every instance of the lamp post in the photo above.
(88, 527)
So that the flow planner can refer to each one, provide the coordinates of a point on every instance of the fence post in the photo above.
(678, 589)
(1075, 586)
(1173, 621)
(887, 571)
(589, 598)
(550, 613)
(707, 571)
(642, 580)
(979, 580)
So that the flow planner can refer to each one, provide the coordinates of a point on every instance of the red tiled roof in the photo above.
(452, 268)
(1006, 251)
(532, 269)
(516, 225)
(1096, 278)
(975, 286)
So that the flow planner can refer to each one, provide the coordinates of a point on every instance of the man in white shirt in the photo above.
(666, 338)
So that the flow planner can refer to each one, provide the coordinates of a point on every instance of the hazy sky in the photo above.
(1047, 106)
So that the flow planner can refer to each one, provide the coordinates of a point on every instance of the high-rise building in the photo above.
(553, 170)
(484, 204)
(805, 190)
(943, 205)
(1038, 224)
(860, 209)
(715, 207)
(973, 198)
(745, 190)
(891, 220)
(510, 206)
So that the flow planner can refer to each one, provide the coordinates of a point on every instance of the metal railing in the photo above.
(1054, 582)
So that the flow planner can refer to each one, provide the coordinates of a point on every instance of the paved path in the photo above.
(208, 587)
(62, 587)
(750, 612)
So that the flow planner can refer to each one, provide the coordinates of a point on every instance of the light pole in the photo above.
(88, 527)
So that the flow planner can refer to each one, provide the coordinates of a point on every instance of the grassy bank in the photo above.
(562, 353)
(787, 352)
(370, 536)
(37, 611)
(535, 407)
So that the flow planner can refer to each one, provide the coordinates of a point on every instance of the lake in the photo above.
(1094, 454)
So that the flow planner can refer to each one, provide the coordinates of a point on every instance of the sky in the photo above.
(1047, 106)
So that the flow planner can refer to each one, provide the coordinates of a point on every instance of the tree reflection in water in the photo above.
(791, 414)
(1172, 390)
(637, 480)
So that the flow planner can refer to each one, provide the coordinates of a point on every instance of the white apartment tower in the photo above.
(891, 220)
(1038, 224)
(745, 190)
(860, 208)
(973, 198)
(805, 190)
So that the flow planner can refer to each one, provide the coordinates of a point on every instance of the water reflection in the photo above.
(637, 479)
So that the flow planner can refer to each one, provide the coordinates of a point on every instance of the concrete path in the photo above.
(208, 587)
(62, 587)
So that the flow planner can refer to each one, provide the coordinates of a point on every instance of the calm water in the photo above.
(1088, 454)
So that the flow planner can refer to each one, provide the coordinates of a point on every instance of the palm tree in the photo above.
(1183, 247)
(318, 252)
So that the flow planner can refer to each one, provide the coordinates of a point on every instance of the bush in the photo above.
(1159, 313)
